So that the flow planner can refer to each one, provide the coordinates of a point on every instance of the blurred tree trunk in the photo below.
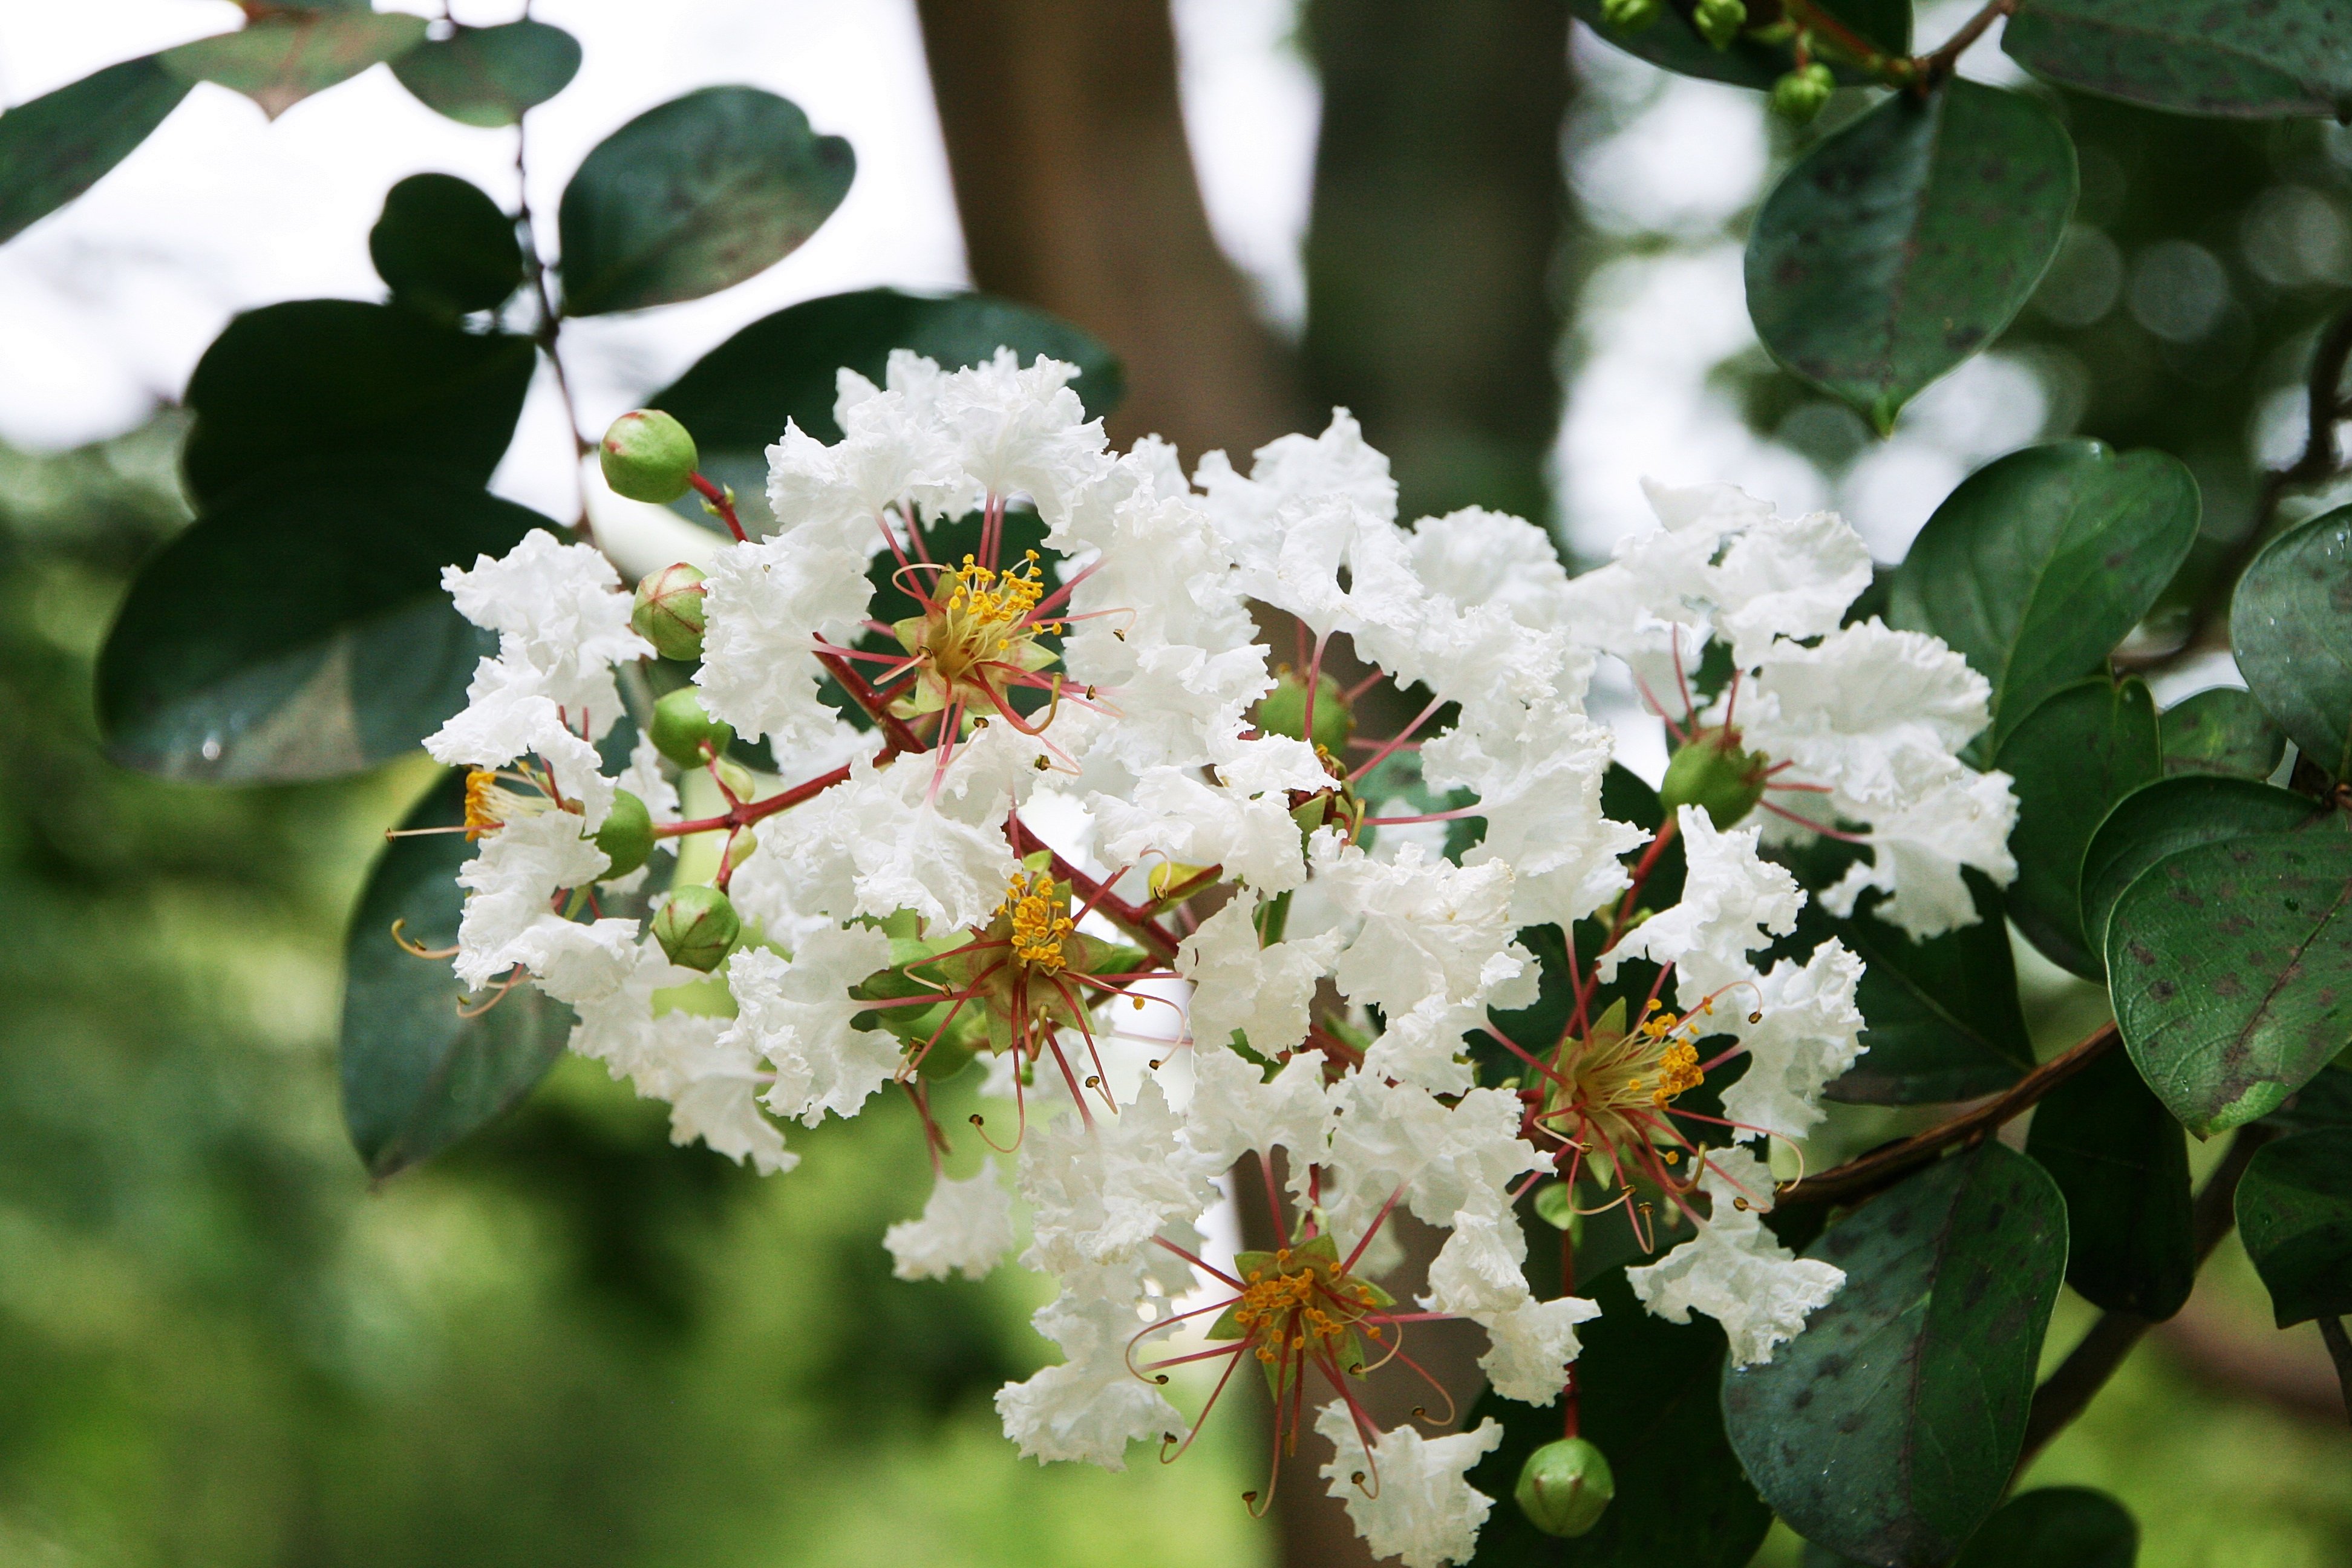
(1075, 183)
(1440, 207)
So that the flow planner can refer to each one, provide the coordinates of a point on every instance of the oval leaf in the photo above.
(310, 378)
(1904, 242)
(444, 247)
(2082, 750)
(2290, 627)
(2194, 56)
(2230, 969)
(59, 145)
(1888, 1430)
(490, 76)
(280, 59)
(2056, 1527)
(694, 196)
(2122, 1162)
(300, 631)
(417, 1074)
(1944, 1020)
(2039, 565)
(2224, 730)
(2295, 1211)
(2170, 815)
(1674, 42)
(1646, 1397)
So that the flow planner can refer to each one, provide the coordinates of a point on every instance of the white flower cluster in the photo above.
(1068, 796)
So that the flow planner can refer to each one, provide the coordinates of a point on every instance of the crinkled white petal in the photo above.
(1478, 557)
(874, 844)
(797, 1016)
(1537, 779)
(510, 883)
(1262, 992)
(1530, 1344)
(1807, 1032)
(1734, 902)
(1789, 577)
(647, 778)
(1877, 715)
(1091, 1405)
(1098, 1193)
(1735, 1270)
(1917, 855)
(1395, 1135)
(560, 614)
(1423, 1511)
(1423, 928)
(1173, 814)
(1235, 1109)
(966, 1228)
(765, 606)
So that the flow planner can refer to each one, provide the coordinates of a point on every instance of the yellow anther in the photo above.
(1040, 920)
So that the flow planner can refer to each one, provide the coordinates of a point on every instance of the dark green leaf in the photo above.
(279, 60)
(2056, 1527)
(59, 145)
(1888, 1428)
(2291, 627)
(694, 195)
(1944, 1022)
(2171, 814)
(300, 631)
(2224, 730)
(2230, 969)
(490, 76)
(417, 1075)
(1674, 43)
(2324, 1101)
(445, 248)
(314, 377)
(1904, 242)
(2294, 1210)
(2240, 57)
(1646, 1397)
(2039, 565)
(2086, 747)
(2122, 1162)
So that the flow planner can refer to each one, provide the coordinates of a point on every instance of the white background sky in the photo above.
(105, 306)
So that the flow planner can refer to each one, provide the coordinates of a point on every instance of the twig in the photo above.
(2340, 1350)
(549, 329)
(1859, 1178)
(902, 738)
(1930, 69)
(2086, 1369)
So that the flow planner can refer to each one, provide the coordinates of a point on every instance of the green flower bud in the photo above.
(647, 456)
(698, 927)
(682, 727)
(1799, 95)
(1283, 712)
(1720, 21)
(669, 612)
(627, 835)
(1565, 1487)
(1711, 772)
(739, 849)
(1629, 16)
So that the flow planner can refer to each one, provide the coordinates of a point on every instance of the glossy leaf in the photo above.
(445, 248)
(1944, 1020)
(2326, 1101)
(490, 76)
(2194, 56)
(2040, 563)
(311, 378)
(2122, 1162)
(1888, 1428)
(1904, 242)
(1674, 43)
(299, 630)
(1646, 1397)
(278, 61)
(694, 196)
(2085, 749)
(2229, 966)
(2295, 1211)
(2169, 815)
(417, 1075)
(2291, 627)
(2056, 1527)
(56, 146)
(2224, 730)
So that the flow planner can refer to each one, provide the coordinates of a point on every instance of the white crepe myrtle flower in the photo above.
(1802, 1031)
(1735, 1270)
(966, 1228)
(798, 1016)
(509, 920)
(1237, 1110)
(1091, 1404)
(1406, 1494)
(1422, 928)
(1262, 991)
(1734, 903)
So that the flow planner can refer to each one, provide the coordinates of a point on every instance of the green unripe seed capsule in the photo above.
(682, 727)
(647, 456)
(1283, 712)
(698, 928)
(1720, 21)
(1709, 771)
(669, 612)
(627, 835)
(1565, 1487)
(1629, 16)
(1799, 95)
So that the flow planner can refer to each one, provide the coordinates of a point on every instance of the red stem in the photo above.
(720, 502)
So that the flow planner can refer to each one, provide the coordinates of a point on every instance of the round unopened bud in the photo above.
(669, 612)
(647, 456)
(682, 727)
(1629, 15)
(698, 927)
(1720, 21)
(1565, 1487)
(1709, 771)
(1283, 712)
(1799, 95)
(627, 835)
